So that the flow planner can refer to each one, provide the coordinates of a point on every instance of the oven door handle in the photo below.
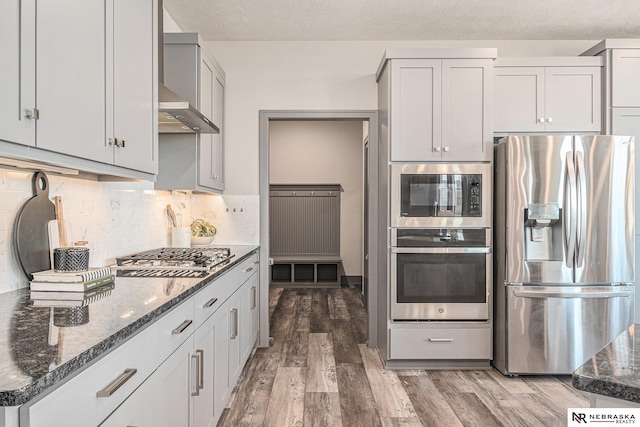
(449, 250)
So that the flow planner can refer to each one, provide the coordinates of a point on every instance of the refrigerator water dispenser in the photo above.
(543, 232)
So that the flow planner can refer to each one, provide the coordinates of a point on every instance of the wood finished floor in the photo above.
(319, 372)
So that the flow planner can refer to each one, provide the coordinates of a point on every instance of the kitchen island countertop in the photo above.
(615, 370)
(37, 351)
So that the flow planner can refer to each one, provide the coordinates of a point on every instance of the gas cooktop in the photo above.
(172, 262)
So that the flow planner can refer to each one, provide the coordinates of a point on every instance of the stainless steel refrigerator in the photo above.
(564, 249)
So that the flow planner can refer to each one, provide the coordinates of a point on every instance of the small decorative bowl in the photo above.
(201, 241)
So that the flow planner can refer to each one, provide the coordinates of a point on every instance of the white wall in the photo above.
(324, 152)
(316, 76)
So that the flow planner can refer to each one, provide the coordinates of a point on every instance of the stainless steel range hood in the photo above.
(175, 114)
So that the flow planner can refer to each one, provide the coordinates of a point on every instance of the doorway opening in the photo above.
(324, 147)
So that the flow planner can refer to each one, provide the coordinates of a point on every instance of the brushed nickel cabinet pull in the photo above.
(210, 302)
(234, 313)
(114, 385)
(440, 339)
(196, 357)
(180, 329)
(32, 113)
(200, 383)
(253, 297)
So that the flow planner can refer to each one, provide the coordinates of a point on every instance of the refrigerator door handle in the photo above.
(582, 202)
(565, 294)
(570, 216)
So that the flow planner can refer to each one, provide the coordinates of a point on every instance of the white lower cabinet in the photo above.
(149, 407)
(92, 395)
(235, 363)
(441, 343)
(249, 320)
(221, 367)
(237, 332)
(205, 411)
(179, 371)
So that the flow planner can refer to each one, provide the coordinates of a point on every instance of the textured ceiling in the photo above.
(407, 19)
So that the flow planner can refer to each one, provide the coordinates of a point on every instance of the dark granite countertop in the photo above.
(615, 370)
(36, 351)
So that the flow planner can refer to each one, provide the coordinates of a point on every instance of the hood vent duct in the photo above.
(175, 114)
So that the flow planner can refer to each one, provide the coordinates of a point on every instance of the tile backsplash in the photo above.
(119, 218)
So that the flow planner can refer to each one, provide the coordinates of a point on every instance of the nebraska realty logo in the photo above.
(602, 416)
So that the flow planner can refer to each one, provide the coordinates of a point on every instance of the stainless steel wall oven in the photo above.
(441, 274)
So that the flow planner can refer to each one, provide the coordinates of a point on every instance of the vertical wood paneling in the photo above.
(304, 225)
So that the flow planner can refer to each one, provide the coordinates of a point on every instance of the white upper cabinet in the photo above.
(192, 161)
(416, 125)
(211, 146)
(467, 104)
(96, 83)
(440, 109)
(12, 34)
(533, 95)
(71, 79)
(625, 77)
(133, 127)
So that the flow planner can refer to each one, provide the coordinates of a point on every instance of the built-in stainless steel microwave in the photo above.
(441, 195)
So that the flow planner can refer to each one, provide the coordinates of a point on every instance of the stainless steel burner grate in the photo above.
(172, 262)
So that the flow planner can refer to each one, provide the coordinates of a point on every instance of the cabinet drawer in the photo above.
(94, 393)
(247, 267)
(209, 299)
(440, 344)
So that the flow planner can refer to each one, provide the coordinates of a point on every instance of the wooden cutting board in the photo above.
(30, 233)
(54, 235)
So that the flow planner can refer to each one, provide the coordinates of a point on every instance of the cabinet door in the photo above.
(163, 399)
(572, 99)
(217, 140)
(519, 99)
(12, 103)
(222, 386)
(70, 78)
(206, 106)
(626, 121)
(467, 88)
(249, 317)
(131, 113)
(235, 333)
(204, 405)
(625, 84)
(416, 109)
